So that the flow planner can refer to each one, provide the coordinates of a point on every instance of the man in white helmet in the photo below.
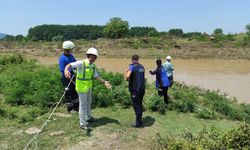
(169, 68)
(67, 57)
(86, 72)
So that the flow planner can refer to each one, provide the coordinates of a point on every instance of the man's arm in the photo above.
(66, 71)
(106, 83)
(172, 67)
(128, 74)
(153, 72)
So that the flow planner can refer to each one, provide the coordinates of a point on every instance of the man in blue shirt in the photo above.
(169, 68)
(136, 77)
(71, 96)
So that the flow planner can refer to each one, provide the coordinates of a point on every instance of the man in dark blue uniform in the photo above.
(136, 77)
(71, 95)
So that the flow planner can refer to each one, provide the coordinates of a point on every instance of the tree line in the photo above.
(115, 28)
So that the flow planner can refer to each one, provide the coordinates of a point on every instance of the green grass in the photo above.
(110, 120)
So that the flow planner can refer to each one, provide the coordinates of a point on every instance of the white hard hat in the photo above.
(67, 45)
(92, 51)
(168, 57)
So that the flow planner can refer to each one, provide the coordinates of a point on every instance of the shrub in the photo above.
(238, 138)
(205, 113)
(116, 79)
(182, 106)
(206, 104)
(213, 139)
(11, 59)
(155, 103)
(2, 111)
(102, 97)
(184, 100)
(122, 96)
(31, 84)
(12, 112)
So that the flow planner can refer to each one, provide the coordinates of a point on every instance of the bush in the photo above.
(155, 103)
(31, 84)
(103, 97)
(224, 106)
(11, 59)
(213, 139)
(238, 138)
(182, 106)
(206, 104)
(205, 113)
(184, 99)
(2, 111)
(122, 96)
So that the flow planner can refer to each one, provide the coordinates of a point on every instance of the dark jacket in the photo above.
(137, 79)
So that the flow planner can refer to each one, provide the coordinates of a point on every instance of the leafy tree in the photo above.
(153, 33)
(192, 34)
(66, 32)
(218, 31)
(141, 31)
(175, 32)
(58, 38)
(9, 38)
(20, 38)
(248, 28)
(163, 34)
(116, 28)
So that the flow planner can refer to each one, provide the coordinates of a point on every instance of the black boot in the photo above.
(76, 105)
(70, 107)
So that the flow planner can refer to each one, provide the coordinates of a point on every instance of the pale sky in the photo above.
(17, 16)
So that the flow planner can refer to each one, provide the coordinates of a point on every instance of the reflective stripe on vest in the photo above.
(84, 79)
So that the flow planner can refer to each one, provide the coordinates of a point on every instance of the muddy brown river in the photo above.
(228, 76)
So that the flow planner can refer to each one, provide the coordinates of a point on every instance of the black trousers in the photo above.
(171, 79)
(71, 96)
(164, 92)
(137, 105)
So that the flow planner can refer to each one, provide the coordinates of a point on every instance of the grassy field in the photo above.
(111, 130)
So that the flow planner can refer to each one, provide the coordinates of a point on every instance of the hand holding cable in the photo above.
(67, 74)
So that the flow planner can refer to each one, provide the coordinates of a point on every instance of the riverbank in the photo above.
(145, 47)
(229, 77)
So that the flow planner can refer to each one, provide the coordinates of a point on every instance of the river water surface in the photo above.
(229, 76)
